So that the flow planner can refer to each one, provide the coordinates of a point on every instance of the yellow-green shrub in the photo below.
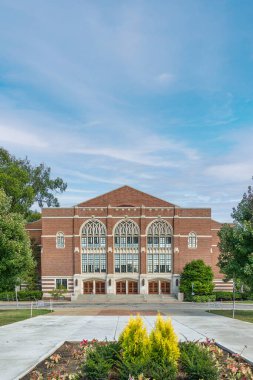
(164, 347)
(134, 341)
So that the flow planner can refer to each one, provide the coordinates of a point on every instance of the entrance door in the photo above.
(165, 287)
(121, 287)
(88, 287)
(132, 287)
(153, 287)
(100, 287)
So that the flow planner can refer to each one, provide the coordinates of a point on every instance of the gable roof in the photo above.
(126, 196)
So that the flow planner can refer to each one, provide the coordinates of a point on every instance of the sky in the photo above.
(153, 94)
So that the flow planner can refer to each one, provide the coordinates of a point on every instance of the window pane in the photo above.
(136, 263)
(150, 263)
(103, 263)
(96, 263)
(84, 263)
(156, 263)
(117, 263)
(90, 263)
(64, 283)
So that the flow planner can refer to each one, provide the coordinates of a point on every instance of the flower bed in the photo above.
(139, 356)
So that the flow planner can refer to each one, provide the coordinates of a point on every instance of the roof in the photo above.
(126, 196)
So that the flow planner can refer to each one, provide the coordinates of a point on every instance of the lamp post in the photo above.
(193, 289)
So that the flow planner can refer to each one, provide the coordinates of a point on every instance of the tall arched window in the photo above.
(192, 240)
(60, 240)
(93, 243)
(126, 247)
(159, 236)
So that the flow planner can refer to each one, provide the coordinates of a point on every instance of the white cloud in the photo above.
(15, 136)
(234, 172)
(164, 78)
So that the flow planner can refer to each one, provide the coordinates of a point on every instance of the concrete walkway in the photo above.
(25, 343)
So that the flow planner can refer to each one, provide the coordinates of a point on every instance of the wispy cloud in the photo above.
(158, 96)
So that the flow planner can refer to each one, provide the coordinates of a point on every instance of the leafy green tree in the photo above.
(236, 243)
(16, 260)
(196, 277)
(27, 184)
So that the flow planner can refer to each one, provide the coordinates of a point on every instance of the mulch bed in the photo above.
(69, 362)
(68, 359)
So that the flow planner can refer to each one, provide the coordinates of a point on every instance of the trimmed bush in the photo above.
(164, 350)
(209, 298)
(197, 362)
(134, 342)
(23, 295)
(228, 296)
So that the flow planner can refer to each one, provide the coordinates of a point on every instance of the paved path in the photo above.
(25, 343)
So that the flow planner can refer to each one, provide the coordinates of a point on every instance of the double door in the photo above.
(88, 287)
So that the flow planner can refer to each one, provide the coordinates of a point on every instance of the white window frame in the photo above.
(60, 235)
(192, 240)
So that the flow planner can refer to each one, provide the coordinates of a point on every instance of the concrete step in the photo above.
(125, 298)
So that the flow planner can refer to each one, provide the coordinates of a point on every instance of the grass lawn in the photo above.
(11, 316)
(242, 315)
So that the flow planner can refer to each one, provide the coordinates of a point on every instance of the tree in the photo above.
(196, 277)
(16, 260)
(27, 184)
(236, 243)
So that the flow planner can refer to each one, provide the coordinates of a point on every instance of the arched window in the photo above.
(192, 240)
(126, 247)
(93, 244)
(60, 240)
(159, 237)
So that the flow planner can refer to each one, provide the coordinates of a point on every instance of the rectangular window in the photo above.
(150, 263)
(136, 241)
(84, 241)
(168, 263)
(162, 264)
(123, 263)
(168, 241)
(156, 241)
(61, 283)
(90, 263)
(117, 263)
(103, 263)
(156, 263)
(84, 263)
(96, 263)
(162, 242)
(102, 241)
(136, 263)
(150, 240)
(90, 241)
(130, 263)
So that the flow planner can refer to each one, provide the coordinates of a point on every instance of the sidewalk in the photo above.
(26, 343)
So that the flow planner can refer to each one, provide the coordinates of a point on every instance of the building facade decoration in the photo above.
(123, 242)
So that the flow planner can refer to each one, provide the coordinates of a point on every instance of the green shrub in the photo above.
(196, 277)
(208, 298)
(100, 360)
(23, 295)
(228, 296)
(197, 362)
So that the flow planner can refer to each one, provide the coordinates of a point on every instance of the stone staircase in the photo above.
(125, 298)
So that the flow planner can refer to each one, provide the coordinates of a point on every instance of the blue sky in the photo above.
(157, 95)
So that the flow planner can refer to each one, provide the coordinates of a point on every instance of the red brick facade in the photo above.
(125, 204)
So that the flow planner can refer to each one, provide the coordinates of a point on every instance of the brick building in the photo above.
(123, 242)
